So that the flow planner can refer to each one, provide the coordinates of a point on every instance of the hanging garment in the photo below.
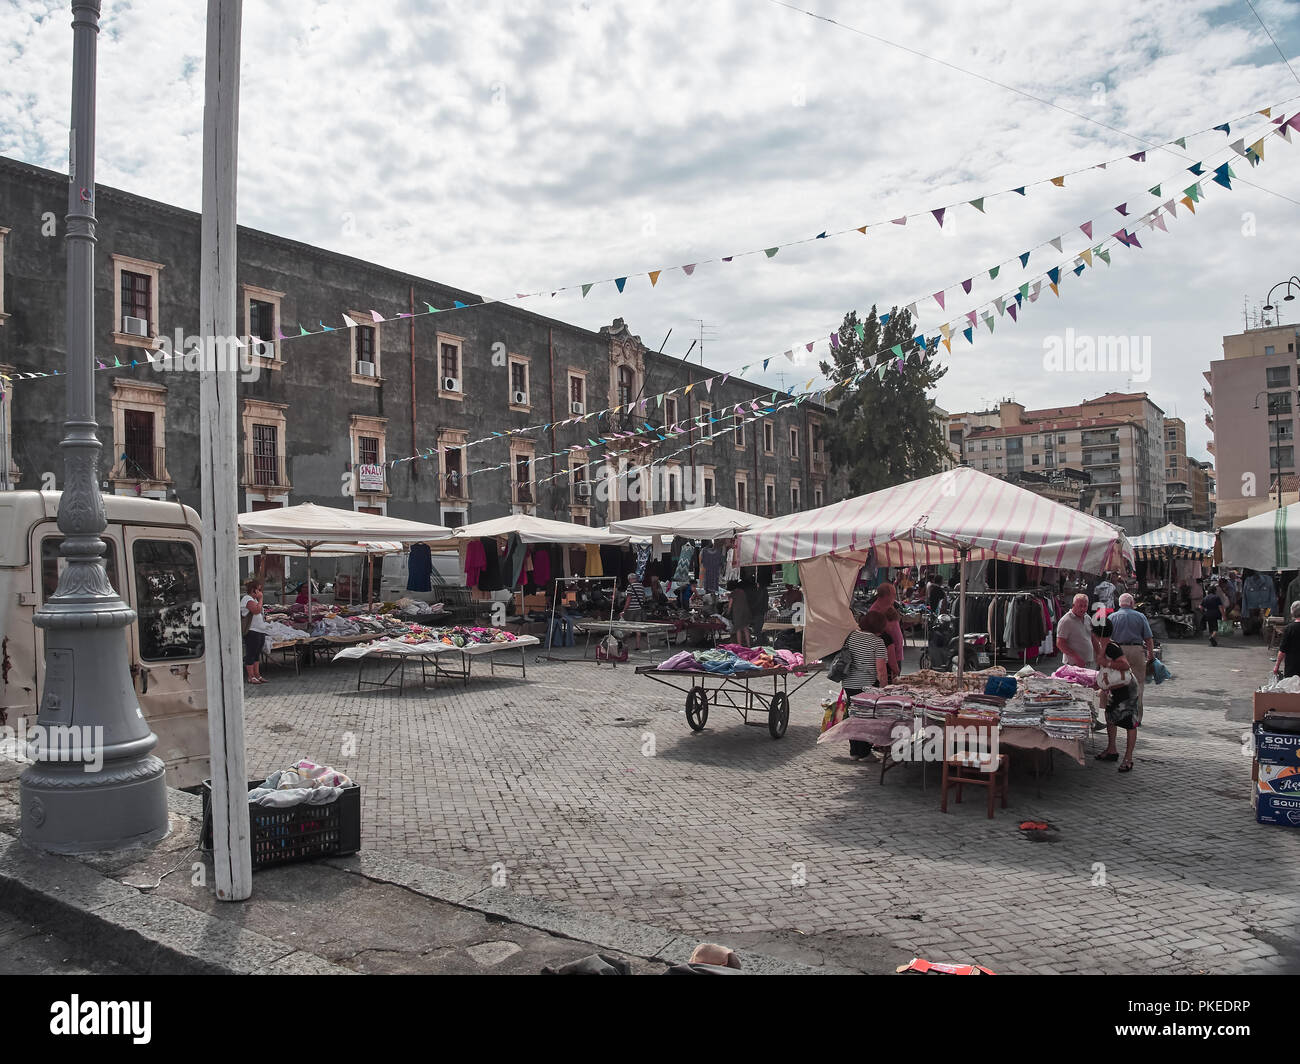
(419, 568)
(790, 574)
(542, 566)
(593, 561)
(711, 567)
(642, 557)
(514, 556)
(683, 571)
(475, 562)
(491, 579)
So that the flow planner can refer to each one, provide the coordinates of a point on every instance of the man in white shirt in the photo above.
(1074, 635)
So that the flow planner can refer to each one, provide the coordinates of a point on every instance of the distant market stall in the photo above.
(435, 649)
(1172, 545)
(1269, 541)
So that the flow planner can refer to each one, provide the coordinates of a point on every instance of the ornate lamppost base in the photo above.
(68, 810)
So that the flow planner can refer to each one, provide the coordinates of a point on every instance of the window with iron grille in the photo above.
(266, 454)
(518, 377)
(137, 292)
(365, 343)
(706, 421)
(138, 446)
(740, 429)
(451, 361)
(261, 320)
(524, 477)
(575, 389)
(367, 450)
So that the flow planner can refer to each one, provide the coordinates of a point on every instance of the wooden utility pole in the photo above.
(218, 399)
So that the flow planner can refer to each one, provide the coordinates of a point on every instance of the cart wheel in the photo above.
(697, 708)
(778, 715)
(923, 662)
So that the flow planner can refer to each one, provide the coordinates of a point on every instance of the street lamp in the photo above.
(94, 784)
(1293, 282)
(1277, 442)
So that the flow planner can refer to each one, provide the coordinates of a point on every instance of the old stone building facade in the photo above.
(321, 416)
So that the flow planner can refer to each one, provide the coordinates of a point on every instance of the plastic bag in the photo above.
(835, 713)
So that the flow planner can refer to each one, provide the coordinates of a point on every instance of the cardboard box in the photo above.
(1281, 780)
(1277, 809)
(1276, 702)
(1276, 748)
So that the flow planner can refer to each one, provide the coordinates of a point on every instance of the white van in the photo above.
(153, 557)
(446, 574)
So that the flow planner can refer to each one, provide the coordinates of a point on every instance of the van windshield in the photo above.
(167, 599)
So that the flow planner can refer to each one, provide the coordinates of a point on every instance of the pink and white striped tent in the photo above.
(955, 516)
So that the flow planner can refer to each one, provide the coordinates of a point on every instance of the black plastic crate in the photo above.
(299, 833)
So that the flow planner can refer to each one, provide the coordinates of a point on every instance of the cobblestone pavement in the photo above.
(584, 784)
(34, 949)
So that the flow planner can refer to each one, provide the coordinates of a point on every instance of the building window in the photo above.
(742, 494)
(523, 466)
(135, 291)
(264, 441)
(1268, 350)
(369, 482)
(1281, 457)
(577, 394)
(769, 438)
(454, 473)
(709, 498)
(739, 420)
(1278, 376)
(139, 436)
(579, 482)
(984, 464)
(794, 497)
(262, 324)
(817, 497)
(984, 445)
(769, 497)
(518, 398)
(1060, 439)
(670, 410)
(1279, 404)
(451, 380)
(627, 386)
(368, 450)
(706, 422)
(794, 445)
(365, 354)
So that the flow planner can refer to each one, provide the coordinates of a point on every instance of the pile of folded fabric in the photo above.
(280, 632)
(304, 782)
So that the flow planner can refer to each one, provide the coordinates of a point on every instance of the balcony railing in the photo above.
(141, 464)
(819, 461)
(265, 471)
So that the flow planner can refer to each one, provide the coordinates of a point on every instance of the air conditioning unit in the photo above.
(577, 408)
(450, 384)
(582, 489)
(366, 369)
(135, 326)
(521, 398)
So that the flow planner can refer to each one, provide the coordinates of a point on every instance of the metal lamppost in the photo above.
(95, 785)
(1277, 442)
(1292, 282)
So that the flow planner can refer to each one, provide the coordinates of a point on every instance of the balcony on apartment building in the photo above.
(453, 486)
(523, 493)
(819, 461)
(140, 463)
(264, 471)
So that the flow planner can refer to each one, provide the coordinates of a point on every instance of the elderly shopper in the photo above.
(886, 597)
(1074, 635)
(1288, 651)
(1132, 634)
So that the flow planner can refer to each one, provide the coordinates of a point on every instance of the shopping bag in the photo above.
(835, 713)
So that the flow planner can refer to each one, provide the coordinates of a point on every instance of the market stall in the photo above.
(444, 653)
(1269, 542)
(1174, 545)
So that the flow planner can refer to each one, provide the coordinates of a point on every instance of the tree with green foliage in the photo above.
(884, 430)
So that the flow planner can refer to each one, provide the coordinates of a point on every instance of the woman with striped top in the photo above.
(868, 664)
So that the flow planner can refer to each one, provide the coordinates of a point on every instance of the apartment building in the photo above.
(1104, 455)
(1252, 399)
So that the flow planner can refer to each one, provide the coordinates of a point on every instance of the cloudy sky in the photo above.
(520, 146)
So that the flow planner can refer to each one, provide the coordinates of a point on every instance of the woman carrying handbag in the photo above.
(866, 660)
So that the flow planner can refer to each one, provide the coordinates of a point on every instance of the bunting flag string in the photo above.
(1254, 154)
(894, 355)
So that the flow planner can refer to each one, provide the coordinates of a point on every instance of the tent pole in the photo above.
(961, 618)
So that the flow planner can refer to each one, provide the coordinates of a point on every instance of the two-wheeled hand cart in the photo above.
(745, 692)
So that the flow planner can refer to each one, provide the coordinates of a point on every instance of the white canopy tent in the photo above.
(1173, 542)
(955, 516)
(309, 526)
(1268, 541)
(701, 522)
(368, 551)
(530, 529)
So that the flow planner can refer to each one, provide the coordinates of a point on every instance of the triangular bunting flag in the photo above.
(901, 221)
(688, 270)
(1055, 242)
(620, 282)
(1012, 311)
(1024, 290)
(1193, 192)
(1059, 182)
(993, 273)
(327, 328)
(938, 298)
(978, 204)
(1086, 255)
(968, 332)
(349, 322)
(989, 322)
(1054, 274)
(1123, 209)
(1171, 207)
(769, 252)
(1226, 127)
(1196, 168)
(1239, 146)
(965, 285)
(1103, 254)
(1155, 191)
(1024, 259)
(377, 316)
(1181, 142)
(948, 344)
(1221, 176)
(585, 289)
(1055, 290)
(1139, 157)
(1087, 229)
(1021, 190)
(938, 215)
(654, 277)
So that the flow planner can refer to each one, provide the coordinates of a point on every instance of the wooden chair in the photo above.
(968, 756)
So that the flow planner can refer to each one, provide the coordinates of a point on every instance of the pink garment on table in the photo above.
(790, 657)
(1075, 674)
(747, 653)
(542, 567)
(475, 562)
(683, 662)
